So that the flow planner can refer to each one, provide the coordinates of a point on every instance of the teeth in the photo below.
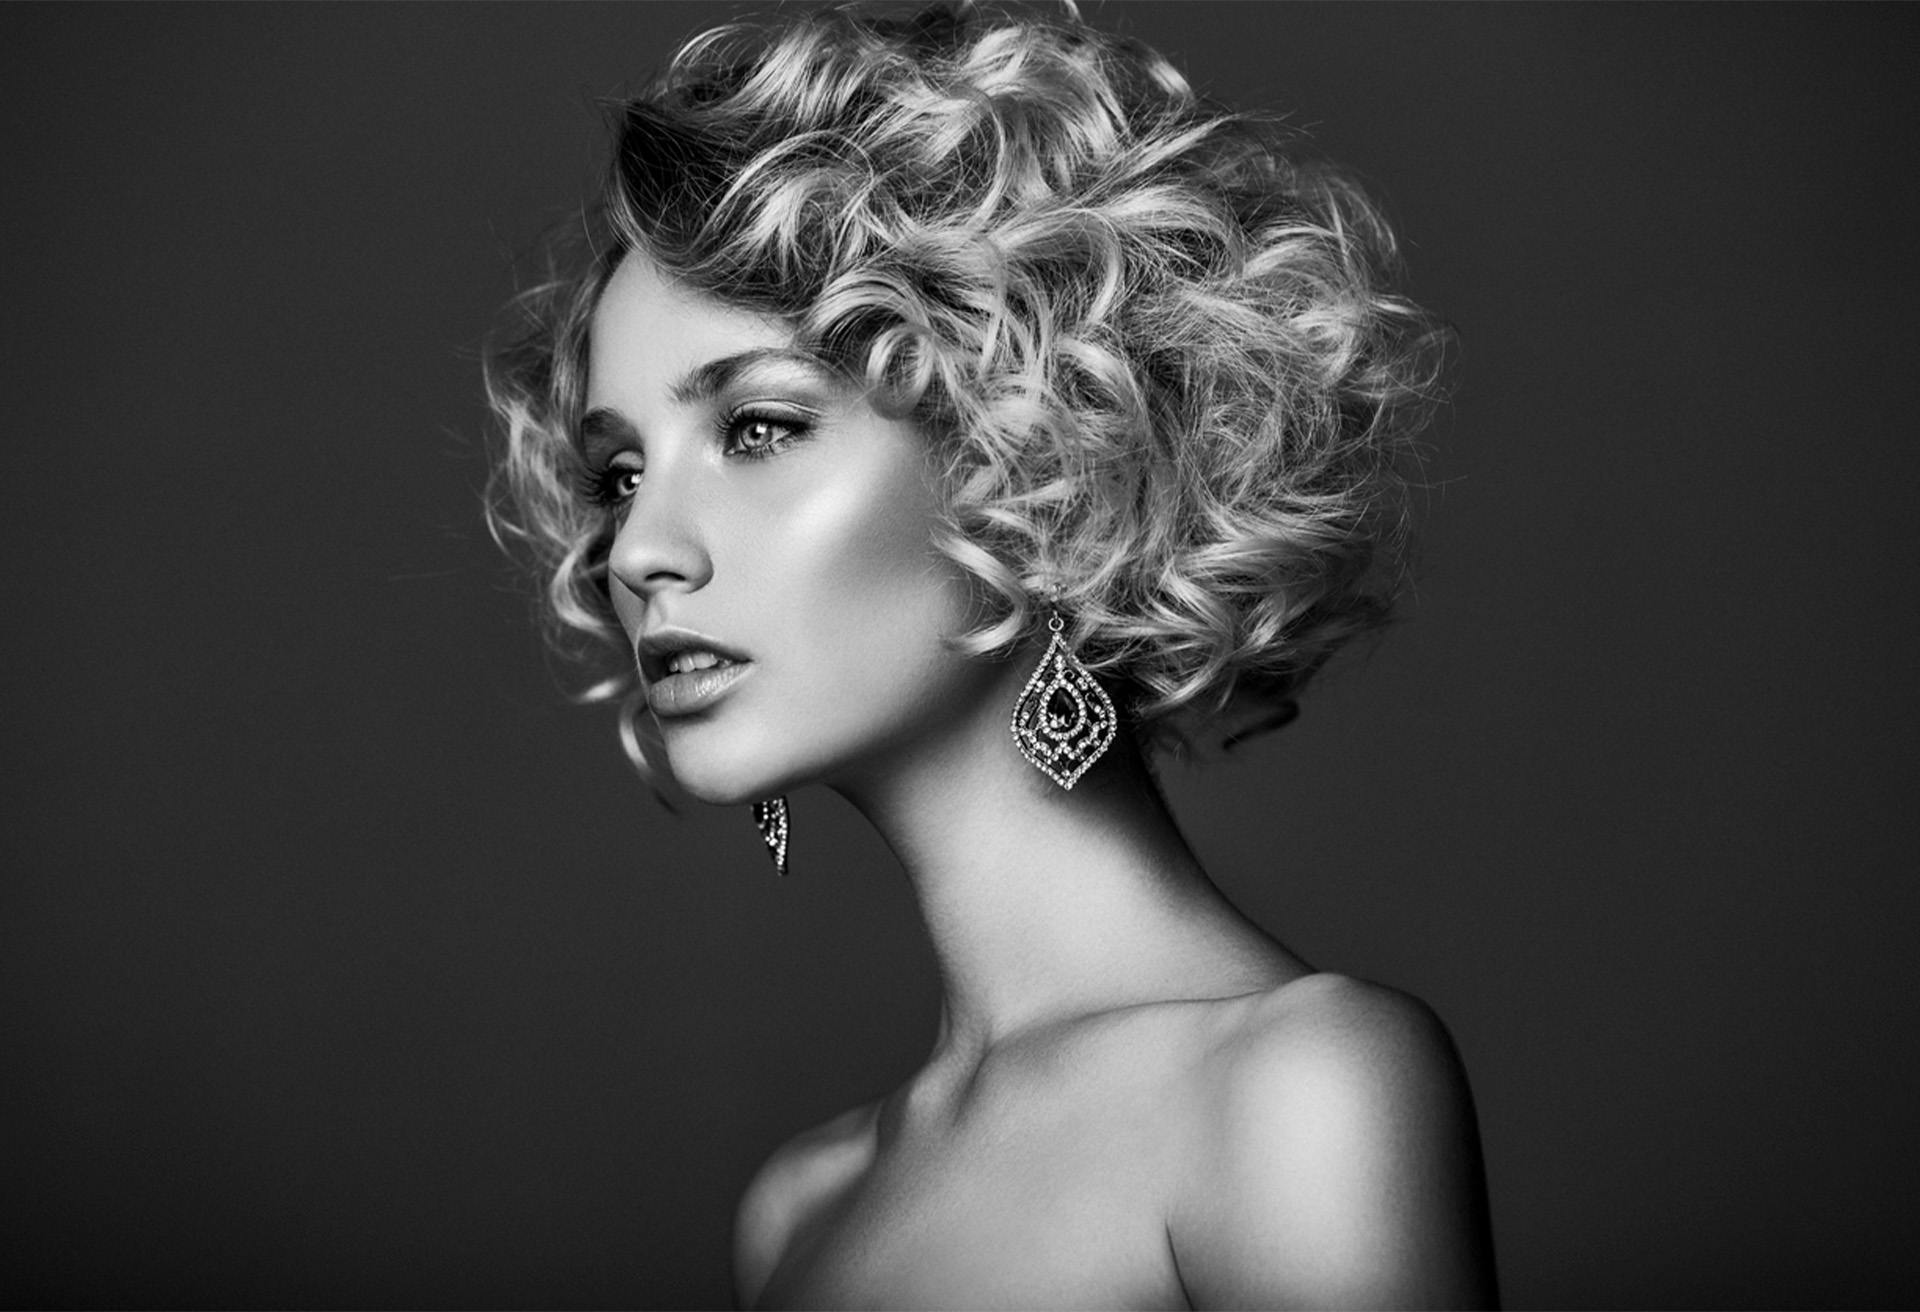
(685, 662)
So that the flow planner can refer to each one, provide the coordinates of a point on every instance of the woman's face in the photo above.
(774, 566)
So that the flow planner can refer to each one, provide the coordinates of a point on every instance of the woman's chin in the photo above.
(720, 783)
(727, 794)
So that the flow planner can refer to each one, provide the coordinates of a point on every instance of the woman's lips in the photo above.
(683, 694)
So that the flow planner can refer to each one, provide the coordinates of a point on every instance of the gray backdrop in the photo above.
(346, 965)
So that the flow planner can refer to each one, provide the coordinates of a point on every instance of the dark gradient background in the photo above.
(346, 965)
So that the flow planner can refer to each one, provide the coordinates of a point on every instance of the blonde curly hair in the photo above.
(1169, 379)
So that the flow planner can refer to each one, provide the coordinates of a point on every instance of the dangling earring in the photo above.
(770, 817)
(1064, 719)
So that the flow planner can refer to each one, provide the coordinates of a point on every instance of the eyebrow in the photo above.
(701, 383)
(603, 425)
(706, 381)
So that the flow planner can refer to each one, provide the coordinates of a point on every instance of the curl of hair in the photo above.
(1169, 378)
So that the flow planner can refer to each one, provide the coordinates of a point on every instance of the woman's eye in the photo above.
(760, 435)
(611, 485)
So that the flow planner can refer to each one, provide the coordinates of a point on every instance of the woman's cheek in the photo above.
(867, 534)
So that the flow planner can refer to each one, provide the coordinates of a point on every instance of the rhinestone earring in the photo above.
(1064, 719)
(770, 818)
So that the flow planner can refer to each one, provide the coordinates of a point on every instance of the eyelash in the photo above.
(602, 486)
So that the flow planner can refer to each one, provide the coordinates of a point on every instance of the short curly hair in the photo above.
(1169, 379)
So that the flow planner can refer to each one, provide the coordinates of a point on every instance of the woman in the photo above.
(955, 411)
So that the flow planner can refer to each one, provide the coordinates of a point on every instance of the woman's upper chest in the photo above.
(1044, 1186)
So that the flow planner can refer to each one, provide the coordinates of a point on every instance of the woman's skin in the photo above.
(1136, 1097)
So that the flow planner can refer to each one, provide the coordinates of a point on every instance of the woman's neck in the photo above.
(1041, 903)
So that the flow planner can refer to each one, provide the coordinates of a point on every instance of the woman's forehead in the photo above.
(651, 331)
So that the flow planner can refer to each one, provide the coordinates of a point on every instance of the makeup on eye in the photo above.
(760, 403)
(608, 484)
(614, 464)
(754, 432)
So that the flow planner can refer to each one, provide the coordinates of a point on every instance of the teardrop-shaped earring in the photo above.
(770, 818)
(1064, 719)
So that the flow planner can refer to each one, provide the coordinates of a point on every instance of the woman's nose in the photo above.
(659, 547)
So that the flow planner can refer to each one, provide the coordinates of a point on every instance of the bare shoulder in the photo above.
(1324, 1027)
(1330, 1074)
(1336, 1116)
(789, 1187)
